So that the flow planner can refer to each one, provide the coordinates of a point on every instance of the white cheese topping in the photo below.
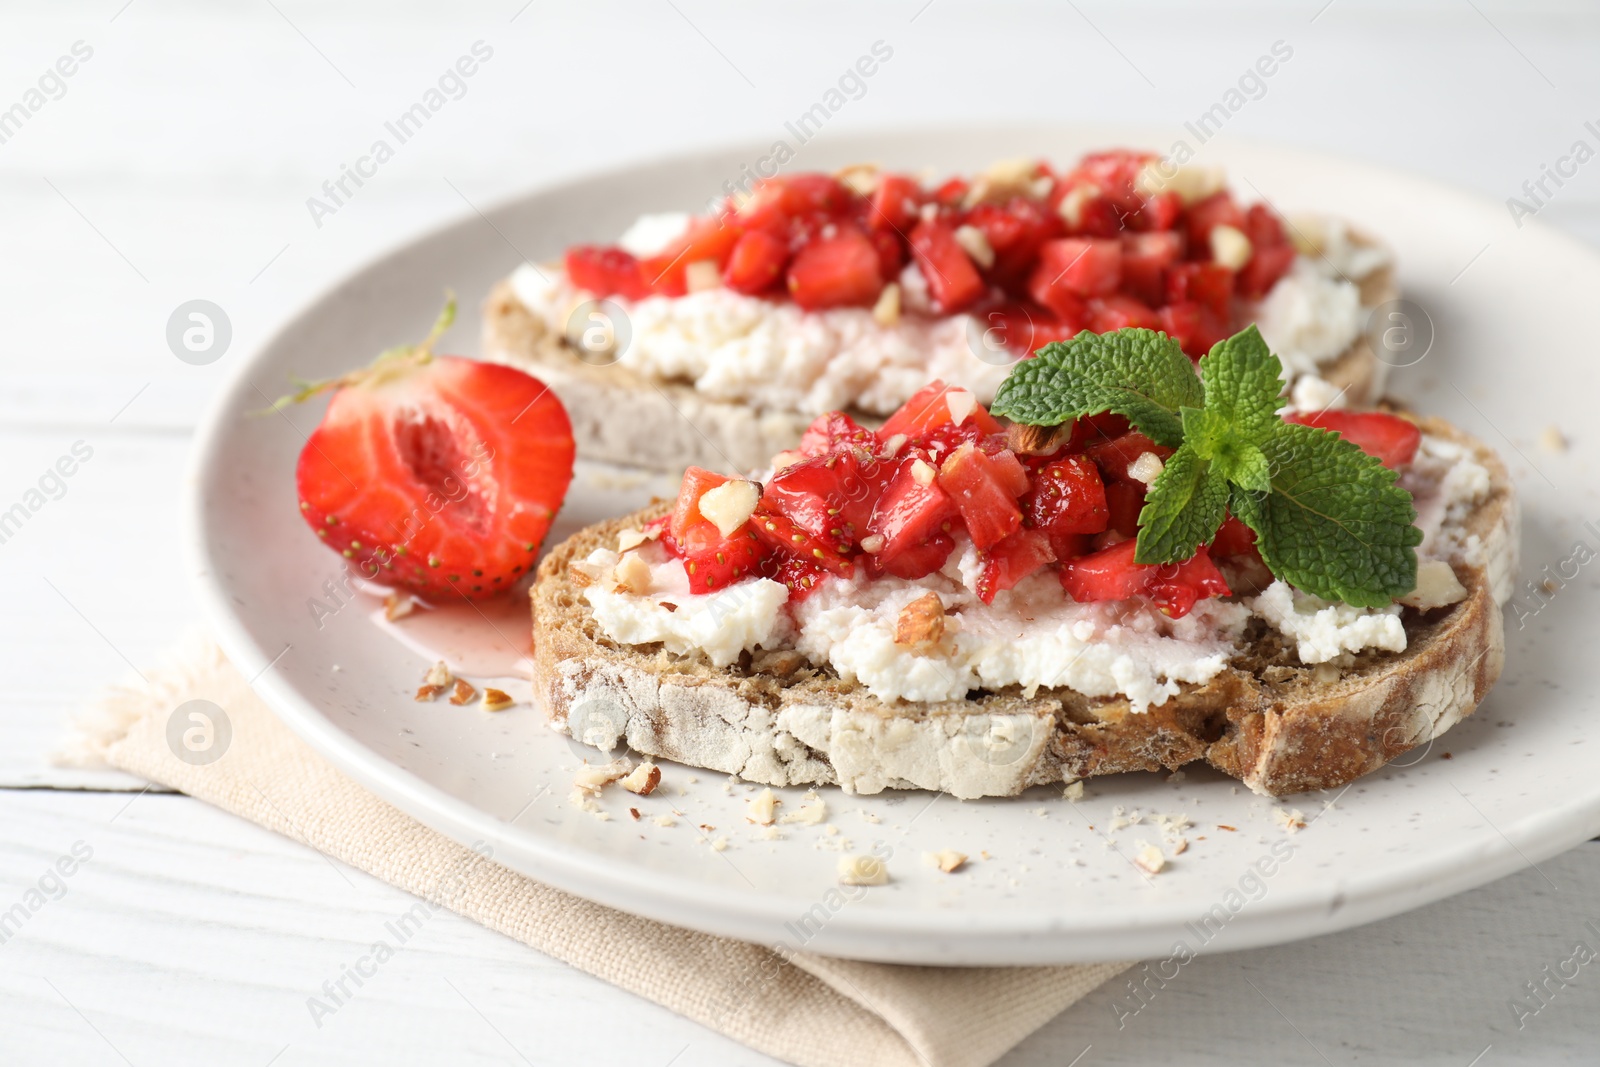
(649, 234)
(1322, 631)
(1309, 317)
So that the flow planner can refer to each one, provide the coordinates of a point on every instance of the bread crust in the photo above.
(1265, 719)
(620, 416)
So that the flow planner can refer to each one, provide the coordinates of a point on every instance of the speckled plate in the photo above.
(1049, 881)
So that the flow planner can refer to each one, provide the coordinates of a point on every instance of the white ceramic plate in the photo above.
(1050, 881)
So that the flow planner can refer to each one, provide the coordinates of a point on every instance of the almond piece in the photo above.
(961, 403)
(438, 674)
(973, 241)
(427, 692)
(1230, 247)
(591, 779)
(730, 505)
(630, 539)
(643, 779)
(811, 814)
(1037, 440)
(1150, 860)
(1071, 205)
(1437, 586)
(922, 473)
(462, 693)
(886, 312)
(632, 575)
(921, 622)
(496, 700)
(398, 606)
(947, 860)
(862, 870)
(1147, 468)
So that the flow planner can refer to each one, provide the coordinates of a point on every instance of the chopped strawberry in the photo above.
(838, 271)
(1145, 260)
(1194, 326)
(915, 562)
(1068, 500)
(793, 195)
(1161, 212)
(830, 496)
(715, 562)
(894, 203)
(1012, 560)
(789, 539)
(1266, 267)
(756, 262)
(988, 509)
(1218, 209)
(1078, 266)
(1111, 574)
(1116, 171)
(1115, 456)
(1093, 429)
(800, 576)
(912, 509)
(834, 432)
(440, 475)
(686, 512)
(1263, 227)
(891, 252)
(1210, 284)
(1013, 476)
(1388, 437)
(1118, 312)
(708, 240)
(952, 192)
(606, 272)
(1234, 538)
(1016, 232)
(929, 409)
(1124, 502)
(953, 281)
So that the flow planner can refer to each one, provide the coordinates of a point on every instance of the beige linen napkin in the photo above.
(809, 1010)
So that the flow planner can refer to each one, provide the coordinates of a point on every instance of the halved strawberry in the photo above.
(1068, 500)
(437, 474)
(981, 493)
(606, 271)
(789, 539)
(756, 262)
(1389, 437)
(953, 281)
(838, 271)
(1111, 574)
(1012, 560)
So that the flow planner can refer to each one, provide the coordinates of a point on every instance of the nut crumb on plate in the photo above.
(947, 860)
(763, 808)
(862, 870)
(643, 779)
(398, 606)
(496, 699)
(1150, 860)
(463, 692)
(810, 814)
(1291, 819)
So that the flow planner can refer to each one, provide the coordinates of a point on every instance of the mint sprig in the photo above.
(1329, 518)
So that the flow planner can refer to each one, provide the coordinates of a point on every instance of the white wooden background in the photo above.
(176, 165)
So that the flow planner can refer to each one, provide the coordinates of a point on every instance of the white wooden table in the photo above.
(175, 163)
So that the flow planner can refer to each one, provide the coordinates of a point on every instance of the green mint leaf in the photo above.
(1141, 375)
(1183, 509)
(1335, 524)
(1242, 383)
(1245, 466)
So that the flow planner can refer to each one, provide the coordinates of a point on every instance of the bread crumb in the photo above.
(762, 810)
(1291, 819)
(769, 833)
(867, 816)
(643, 779)
(1180, 846)
(1150, 860)
(1551, 439)
(1073, 791)
(947, 860)
(719, 845)
(665, 821)
(862, 870)
(831, 830)
(692, 779)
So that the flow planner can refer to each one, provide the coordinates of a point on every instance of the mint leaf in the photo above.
(1335, 523)
(1242, 383)
(1141, 375)
(1245, 466)
(1183, 509)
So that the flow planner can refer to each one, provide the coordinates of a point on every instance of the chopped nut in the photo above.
(784, 460)
(1291, 819)
(580, 576)
(1037, 440)
(872, 544)
(1073, 791)
(668, 605)
(1230, 247)
(1437, 586)
(496, 699)
(1180, 846)
(665, 821)
(810, 814)
(1191, 183)
(1004, 178)
(922, 473)
(398, 606)
(1308, 234)
(961, 404)
(892, 446)
(921, 622)
(1147, 468)
(1225, 826)
(975, 244)
(947, 860)
(1071, 205)
(643, 779)
(462, 693)
(763, 808)
(1149, 860)
(590, 779)
(886, 312)
(630, 539)
(730, 505)
(860, 178)
(862, 870)
(426, 692)
(631, 575)
(702, 275)
(438, 674)
(1551, 439)
(633, 813)
(719, 845)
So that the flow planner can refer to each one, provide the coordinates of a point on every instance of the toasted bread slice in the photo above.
(621, 416)
(1278, 726)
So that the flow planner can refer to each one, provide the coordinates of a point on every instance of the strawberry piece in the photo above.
(894, 203)
(756, 262)
(686, 512)
(1145, 259)
(917, 561)
(1077, 267)
(1210, 284)
(1016, 232)
(801, 577)
(838, 271)
(715, 562)
(1024, 328)
(1068, 500)
(1218, 209)
(953, 281)
(707, 240)
(830, 497)
(790, 196)
(1161, 212)
(606, 271)
(1118, 312)
(1194, 326)
(835, 432)
(929, 409)
(1013, 476)
(1115, 171)
(909, 513)
(1233, 538)
(1111, 574)
(891, 252)
(1115, 456)
(1012, 560)
(952, 192)
(1094, 429)
(1388, 437)
(1266, 267)
(1263, 227)
(1124, 502)
(441, 476)
(988, 510)
(789, 539)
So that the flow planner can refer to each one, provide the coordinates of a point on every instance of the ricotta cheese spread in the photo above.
(1033, 636)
